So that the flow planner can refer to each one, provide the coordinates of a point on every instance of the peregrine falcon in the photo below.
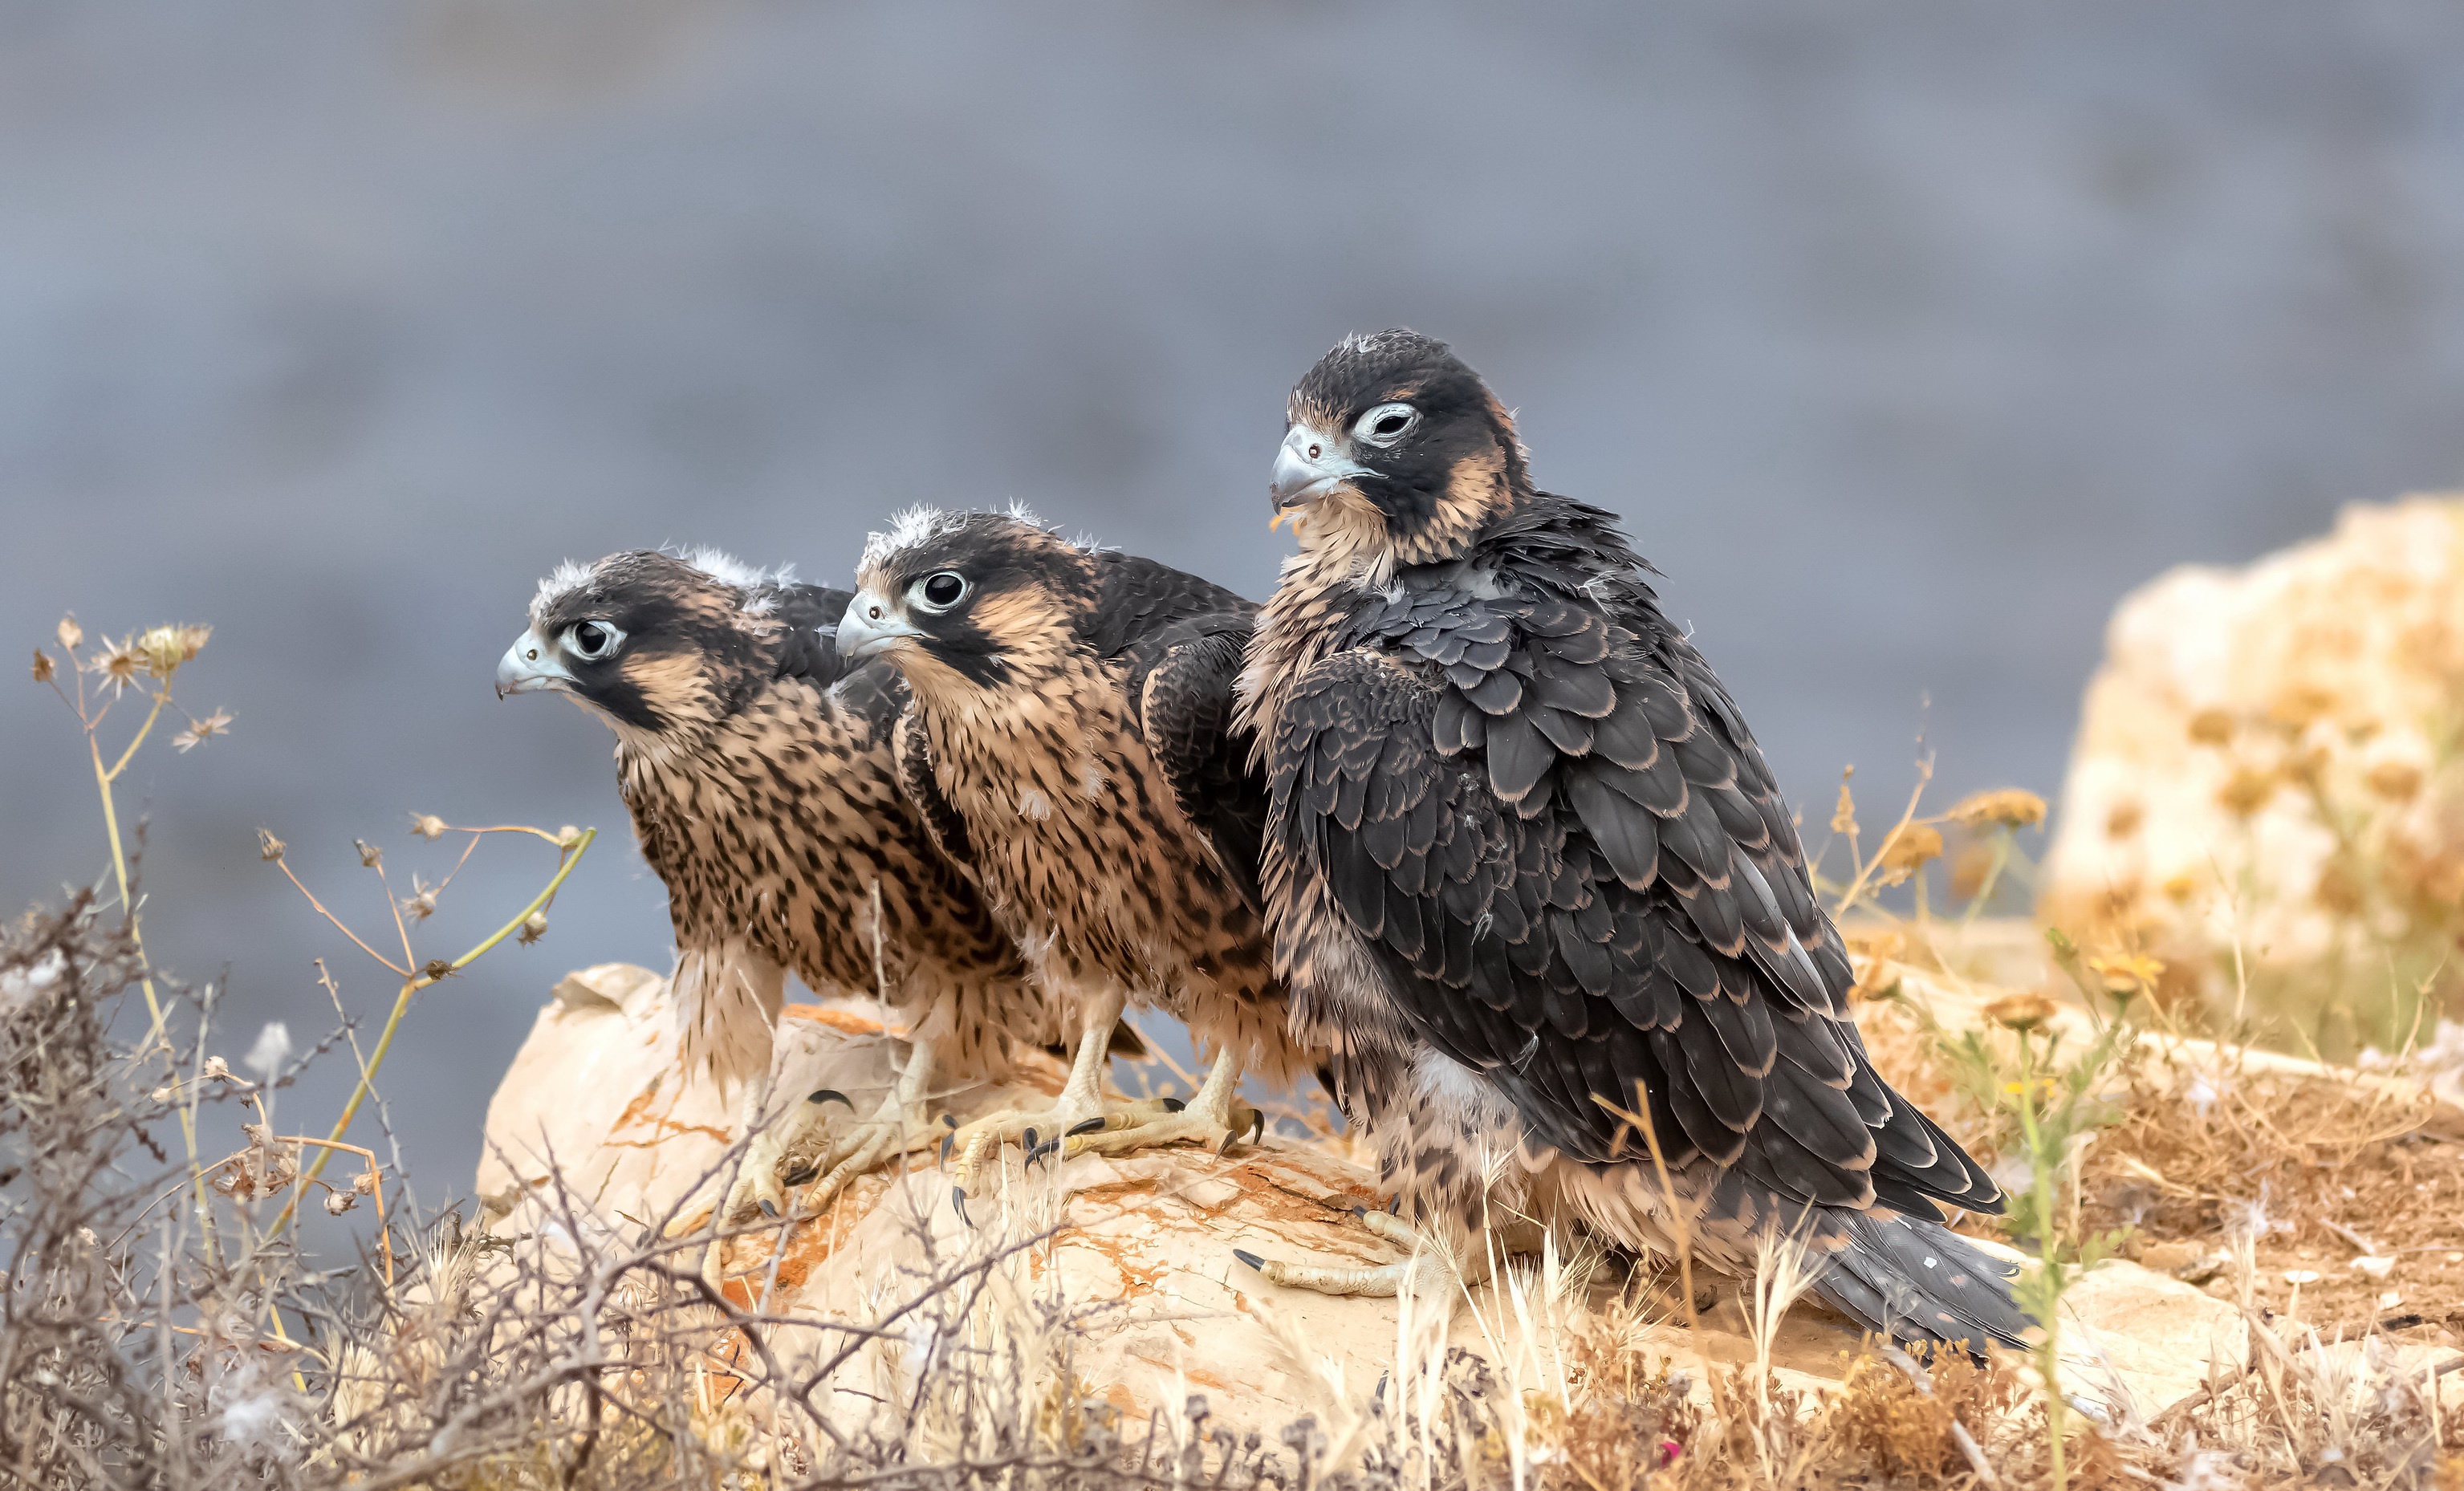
(1071, 726)
(760, 773)
(1530, 879)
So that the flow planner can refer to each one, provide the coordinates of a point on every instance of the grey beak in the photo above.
(872, 623)
(1310, 466)
(531, 665)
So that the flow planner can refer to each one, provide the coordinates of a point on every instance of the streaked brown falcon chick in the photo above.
(1072, 730)
(1531, 879)
(760, 771)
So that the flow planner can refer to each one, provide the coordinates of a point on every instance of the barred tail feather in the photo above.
(1916, 1281)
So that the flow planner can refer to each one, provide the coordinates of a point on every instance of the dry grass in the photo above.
(159, 1328)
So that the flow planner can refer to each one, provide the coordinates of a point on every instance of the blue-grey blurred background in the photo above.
(1907, 336)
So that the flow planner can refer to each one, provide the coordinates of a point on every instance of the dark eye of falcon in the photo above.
(1385, 423)
(592, 641)
(938, 592)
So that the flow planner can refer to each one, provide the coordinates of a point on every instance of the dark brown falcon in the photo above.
(1072, 738)
(1525, 862)
(759, 770)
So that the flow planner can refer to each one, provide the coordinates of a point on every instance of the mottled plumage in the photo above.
(760, 771)
(1071, 741)
(1525, 862)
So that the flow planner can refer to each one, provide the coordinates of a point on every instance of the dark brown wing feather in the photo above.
(1548, 817)
(1180, 640)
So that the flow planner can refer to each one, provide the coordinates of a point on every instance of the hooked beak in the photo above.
(1310, 466)
(531, 665)
(870, 628)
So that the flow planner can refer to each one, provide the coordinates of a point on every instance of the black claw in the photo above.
(1173, 1105)
(1029, 1137)
(949, 1120)
(1258, 1124)
(1394, 1207)
(1035, 1153)
(1250, 1258)
(800, 1175)
(959, 1204)
(1091, 1126)
(768, 1210)
(949, 1142)
(831, 1095)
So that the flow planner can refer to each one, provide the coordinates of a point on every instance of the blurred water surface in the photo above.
(1907, 337)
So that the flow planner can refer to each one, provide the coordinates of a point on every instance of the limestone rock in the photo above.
(2262, 765)
(1136, 1253)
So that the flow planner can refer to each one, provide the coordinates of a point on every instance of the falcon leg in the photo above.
(1426, 1269)
(754, 1187)
(1082, 1099)
(1212, 1117)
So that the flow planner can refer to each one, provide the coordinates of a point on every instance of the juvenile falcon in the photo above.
(759, 770)
(1524, 861)
(1071, 729)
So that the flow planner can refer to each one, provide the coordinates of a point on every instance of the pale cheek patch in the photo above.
(671, 684)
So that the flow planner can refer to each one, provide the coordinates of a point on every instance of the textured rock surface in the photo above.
(1140, 1247)
(2263, 759)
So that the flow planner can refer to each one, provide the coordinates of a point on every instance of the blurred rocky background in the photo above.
(1908, 336)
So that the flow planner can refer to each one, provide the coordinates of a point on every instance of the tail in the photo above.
(1914, 1280)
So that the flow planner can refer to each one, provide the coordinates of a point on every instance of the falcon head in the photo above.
(967, 600)
(659, 643)
(1396, 452)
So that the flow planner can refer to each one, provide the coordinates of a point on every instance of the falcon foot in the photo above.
(1427, 1270)
(1212, 1118)
(801, 1146)
(1045, 1130)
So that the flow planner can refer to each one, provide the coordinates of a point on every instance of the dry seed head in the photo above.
(567, 837)
(2297, 706)
(2339, 887)
(201, 731)
(369, 854)
(1910, 848)
(69, 632)
(421, 904)
(337, 1202)
(2211, 727)
(2124, 819)
(1843, 818)
(2246, 791)
(2011, 808)
(42, 666)
(2395, 781)
(365, 1182)
(427, 825)
(2022, 1010)
(267, 847)
(119, 665)
(533, 928)
(163, 651)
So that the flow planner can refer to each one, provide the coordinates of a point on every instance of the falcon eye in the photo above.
(592, 641)
(1385, 423)
(941, 591)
